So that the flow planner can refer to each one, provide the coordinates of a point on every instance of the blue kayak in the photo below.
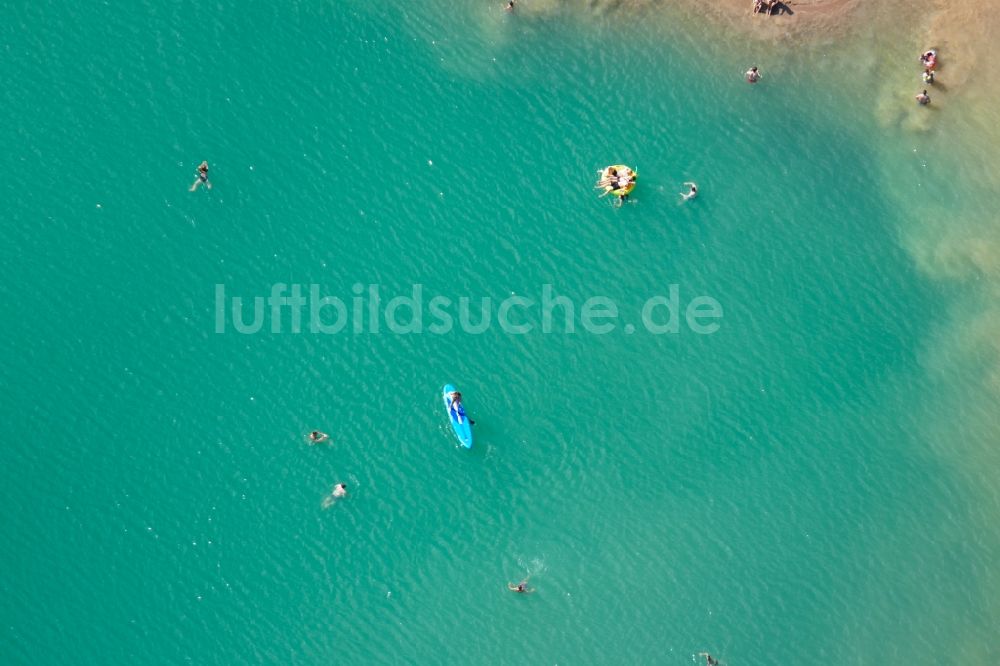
(456, 414)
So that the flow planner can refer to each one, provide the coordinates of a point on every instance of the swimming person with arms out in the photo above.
(318, 437)
(709, 659)
(691, 193)
(753, 75)
(202, 177)
(923, 99)
(520, 588)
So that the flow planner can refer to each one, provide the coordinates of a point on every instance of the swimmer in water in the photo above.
(753, 75)
(923, 99)
(691, 193)
(318, 437)
(520, 588)
(928, 76)
(339, 490)
(202, 177)
(709, 659)
(510, 6)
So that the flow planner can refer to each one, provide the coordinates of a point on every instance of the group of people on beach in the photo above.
(768, 6)
(928, 60)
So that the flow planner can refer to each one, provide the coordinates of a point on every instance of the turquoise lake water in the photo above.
(814, 482)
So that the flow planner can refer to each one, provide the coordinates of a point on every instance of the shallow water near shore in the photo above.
(815, 481)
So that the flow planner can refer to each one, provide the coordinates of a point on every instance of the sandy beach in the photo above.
(810, 19)
(963, 29)
(795, 17)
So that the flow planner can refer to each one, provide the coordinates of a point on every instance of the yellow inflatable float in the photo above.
(618, 180)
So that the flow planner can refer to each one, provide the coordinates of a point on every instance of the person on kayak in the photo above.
(457, 408)
(456, 405)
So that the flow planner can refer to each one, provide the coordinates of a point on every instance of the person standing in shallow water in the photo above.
(202, 177)
(753, 75)
(923, 99)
